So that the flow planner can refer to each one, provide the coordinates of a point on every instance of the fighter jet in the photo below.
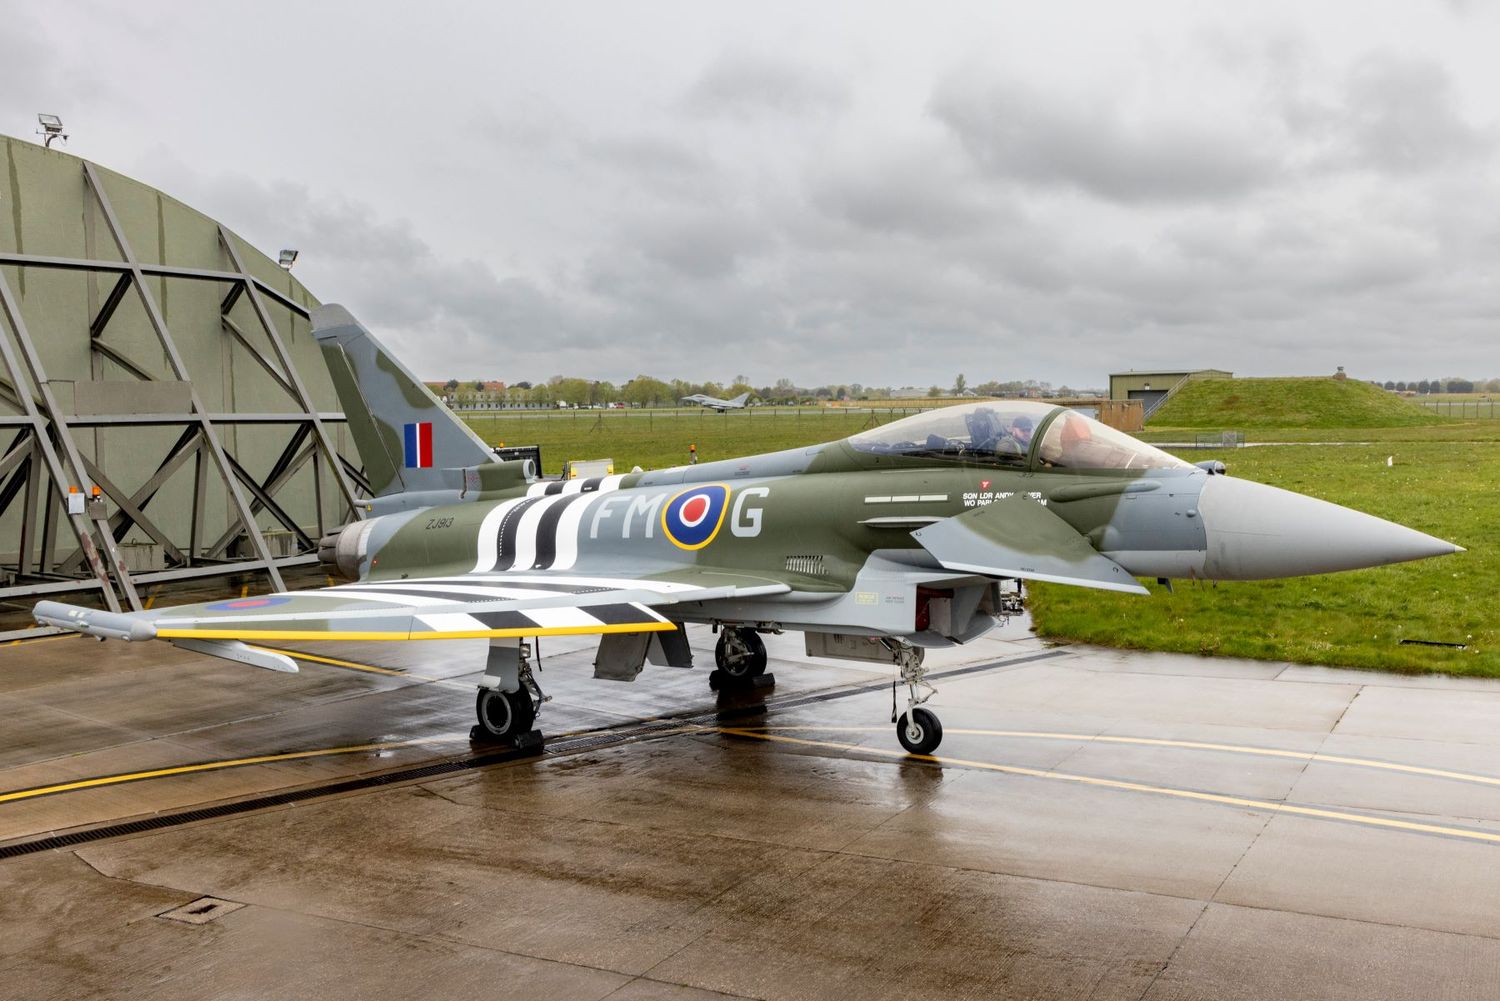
(714, 403)
(909, 536)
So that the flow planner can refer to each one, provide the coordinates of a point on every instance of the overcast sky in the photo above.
(865, 192)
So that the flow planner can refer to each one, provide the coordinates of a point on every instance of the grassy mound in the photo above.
(1288, 403)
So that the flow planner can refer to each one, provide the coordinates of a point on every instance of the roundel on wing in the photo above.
(248, 604)
(692, 518)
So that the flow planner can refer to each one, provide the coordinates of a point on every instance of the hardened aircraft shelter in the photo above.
(165, 413)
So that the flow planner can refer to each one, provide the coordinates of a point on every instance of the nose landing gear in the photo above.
(919, 730)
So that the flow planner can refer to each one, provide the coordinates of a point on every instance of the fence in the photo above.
(876, 415)
(1461, 409)
(1217, 439)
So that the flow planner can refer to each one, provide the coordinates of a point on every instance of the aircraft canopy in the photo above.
(1004, 433)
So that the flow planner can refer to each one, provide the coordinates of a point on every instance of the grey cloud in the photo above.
(1390, 113)
(741, 84)
(25, 50)
(1006, 232)
(662, 165)
(695, 243)
(910, 192)
(527, 122)
(1020, 134)
(446, 314)
(1400, 116)
(42, 74)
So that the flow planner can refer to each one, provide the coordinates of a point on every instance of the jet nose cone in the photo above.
(1255, 531)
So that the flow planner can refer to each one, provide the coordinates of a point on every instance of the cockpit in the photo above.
(1014, 435)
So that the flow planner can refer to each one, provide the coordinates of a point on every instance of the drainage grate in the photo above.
(561, 745)
(201, 911)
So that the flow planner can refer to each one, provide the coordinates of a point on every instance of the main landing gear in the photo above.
(509, 697)
(740, 661)
(918, 729)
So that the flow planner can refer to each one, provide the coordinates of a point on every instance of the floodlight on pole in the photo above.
(286, 259)
(52, 128)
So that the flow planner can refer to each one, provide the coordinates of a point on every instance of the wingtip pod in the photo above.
(93, 622)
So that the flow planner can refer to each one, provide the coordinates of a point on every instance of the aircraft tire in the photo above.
(504, 715)
(748, 665)
(922, 734)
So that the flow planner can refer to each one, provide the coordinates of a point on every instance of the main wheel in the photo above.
(740, 653)
(504, 715)
(919, 731)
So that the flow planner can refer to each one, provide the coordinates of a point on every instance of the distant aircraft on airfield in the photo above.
(908, 536)
(714, 403)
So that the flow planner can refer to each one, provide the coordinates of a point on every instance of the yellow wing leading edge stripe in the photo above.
(332, 661)
(447, 634)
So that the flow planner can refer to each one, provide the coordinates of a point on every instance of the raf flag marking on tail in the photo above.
(419, 445)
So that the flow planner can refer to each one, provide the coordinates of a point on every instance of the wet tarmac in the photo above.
(1096, 824)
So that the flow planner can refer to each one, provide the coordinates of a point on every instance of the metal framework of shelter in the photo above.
(70, 534)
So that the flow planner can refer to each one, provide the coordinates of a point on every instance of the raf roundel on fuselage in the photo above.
(692, 518)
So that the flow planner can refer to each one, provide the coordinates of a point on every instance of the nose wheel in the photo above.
(919, 730)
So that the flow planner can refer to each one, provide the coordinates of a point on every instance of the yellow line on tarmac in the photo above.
(262, 759)
(45, 639)
(1089, 780)
(1192, 745)
(320, 659)
(207, 766)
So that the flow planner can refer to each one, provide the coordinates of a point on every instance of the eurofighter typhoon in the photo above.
(714, 403)
(906, 537)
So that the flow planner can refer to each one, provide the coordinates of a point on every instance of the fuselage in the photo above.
(830, 518)
(819, 516)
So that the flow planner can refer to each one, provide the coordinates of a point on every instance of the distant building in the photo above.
(1153, 388)
(469, 395)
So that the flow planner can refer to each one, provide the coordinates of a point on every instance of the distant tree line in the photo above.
(648, 391)
(1423, 387)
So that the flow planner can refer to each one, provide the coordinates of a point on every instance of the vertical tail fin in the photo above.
(405, 435)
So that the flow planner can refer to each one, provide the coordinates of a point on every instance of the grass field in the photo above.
(653, 439)
(1442, 481)
(1455, 407)
(1355, 619)
(1440, 430)
(1287, 403)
